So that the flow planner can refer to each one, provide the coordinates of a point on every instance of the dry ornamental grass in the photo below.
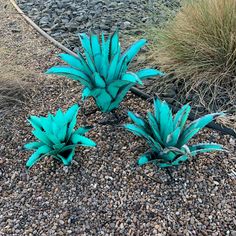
(199, 48)
(200, 44)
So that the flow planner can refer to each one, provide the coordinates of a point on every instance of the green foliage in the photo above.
(103, 70)
(168, 135)
(57, 137)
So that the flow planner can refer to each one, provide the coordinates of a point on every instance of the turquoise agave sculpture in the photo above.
(103, 70)
(57, 137)
(168, 135)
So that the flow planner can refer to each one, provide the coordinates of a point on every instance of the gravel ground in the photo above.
(102, 195)
(64, 19)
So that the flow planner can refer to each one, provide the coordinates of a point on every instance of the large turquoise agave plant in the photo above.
(103, 70)
(57, 137)
(168, 135)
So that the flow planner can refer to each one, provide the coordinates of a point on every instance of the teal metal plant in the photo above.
(103, 70)
(57, 137)
(168, 135)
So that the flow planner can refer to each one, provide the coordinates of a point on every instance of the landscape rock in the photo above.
(65, 18)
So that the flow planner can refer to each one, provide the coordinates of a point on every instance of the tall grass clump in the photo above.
(199, 45)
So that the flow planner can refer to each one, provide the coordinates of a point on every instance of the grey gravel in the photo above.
(64, 19)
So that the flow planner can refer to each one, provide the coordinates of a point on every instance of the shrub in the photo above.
(103, 70)
(57, 137)
(168, 135)
(199, 45)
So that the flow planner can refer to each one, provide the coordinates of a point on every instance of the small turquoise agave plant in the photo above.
(57, 136)
(103, 70)
(168, 135)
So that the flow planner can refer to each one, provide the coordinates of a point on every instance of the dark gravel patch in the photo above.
(64, 19)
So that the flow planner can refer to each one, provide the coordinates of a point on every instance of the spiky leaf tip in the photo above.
(142, 160)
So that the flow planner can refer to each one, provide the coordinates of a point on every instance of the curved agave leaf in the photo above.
(75, 63)
(42, 136)
(37, 155)
(86, 93)
(98, 81)
(182, 116)
(112, 69)
(123, 90)
(142, 133)
(132, 78)
(114, 87)
(172, 138)
(82, 140)
(133, 50)
(96, 49)
(202, 122)
(83, 130)
(179, 160)
(68, 159)
(154, 127)
(166, 121)
(35, 122)
(103, 100)
(205, 147)
(147, 73)
(137, 119)
(85, 41)
(72, 74)
(194, 127)
(33, 145)
(114, 45)
(138, 131)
